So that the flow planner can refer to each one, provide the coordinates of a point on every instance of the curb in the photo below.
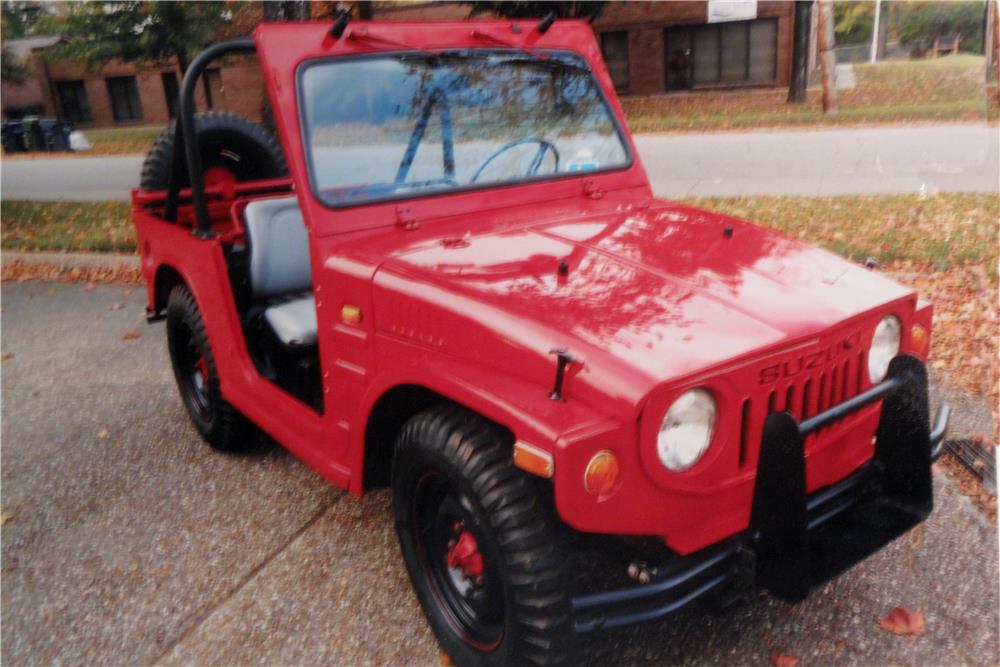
(71, 260)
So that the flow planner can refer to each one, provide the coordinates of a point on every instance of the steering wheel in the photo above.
(536, 162)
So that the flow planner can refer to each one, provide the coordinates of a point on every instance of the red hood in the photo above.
(663, 291)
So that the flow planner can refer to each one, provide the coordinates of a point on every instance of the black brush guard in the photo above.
(797, 542)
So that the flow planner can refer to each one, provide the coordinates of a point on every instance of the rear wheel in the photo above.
(219, 423)
(232, 149)
(483, 546)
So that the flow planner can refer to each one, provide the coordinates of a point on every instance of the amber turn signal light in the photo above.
(920, 341)
(601, 476)
(532, 459)
(351, 314)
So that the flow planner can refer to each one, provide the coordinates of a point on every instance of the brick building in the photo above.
(650, 48)
(119, 94)
(657, 47)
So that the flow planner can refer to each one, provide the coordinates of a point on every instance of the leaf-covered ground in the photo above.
(945, 246)
(945, 89)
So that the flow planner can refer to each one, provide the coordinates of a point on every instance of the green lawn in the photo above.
(949, 88)
(943, 231)
(67, 226)
(122, 140)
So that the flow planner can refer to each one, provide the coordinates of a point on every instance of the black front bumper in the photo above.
(797, 541)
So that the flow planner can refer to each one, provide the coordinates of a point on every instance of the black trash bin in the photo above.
(55, 134)
(32, 134)
(12, 136)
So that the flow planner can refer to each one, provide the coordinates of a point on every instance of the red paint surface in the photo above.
(657, 300)
(465, 556)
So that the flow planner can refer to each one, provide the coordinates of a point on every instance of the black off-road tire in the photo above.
(244, 148)
(522, 542)
(219, 423)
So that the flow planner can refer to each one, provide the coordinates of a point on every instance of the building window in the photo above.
(124, 95)
(614, 47)
(213, 87)
(170, 92)
(73, 101)
(721, 54)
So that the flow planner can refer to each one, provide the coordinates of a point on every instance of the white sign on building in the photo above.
(731, 10)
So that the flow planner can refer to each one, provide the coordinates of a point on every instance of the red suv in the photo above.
(450, 276)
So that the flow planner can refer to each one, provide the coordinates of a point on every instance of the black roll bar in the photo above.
(185, 137)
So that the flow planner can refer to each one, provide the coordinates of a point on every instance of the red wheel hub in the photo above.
(202, 367)
(218, 177)
(464, 555)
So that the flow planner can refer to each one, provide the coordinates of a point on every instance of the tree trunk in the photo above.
(800, 52)
(827, 58)
(287, 10)
(366, 12)
(182, 62)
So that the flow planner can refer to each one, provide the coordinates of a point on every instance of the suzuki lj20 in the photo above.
(450, 276)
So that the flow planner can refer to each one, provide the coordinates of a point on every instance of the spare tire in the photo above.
(233, 148)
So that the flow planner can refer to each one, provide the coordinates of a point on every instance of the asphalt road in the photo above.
(131, 542)
(929, 158)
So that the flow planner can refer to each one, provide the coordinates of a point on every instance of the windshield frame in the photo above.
(623, 135)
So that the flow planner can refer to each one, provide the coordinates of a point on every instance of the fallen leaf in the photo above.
(902, 621)
(445, 660)
(779, 659)
(90, 287)
(4, 518)
(9, 355)
(131, 334)
(117, 305)
(102, 434)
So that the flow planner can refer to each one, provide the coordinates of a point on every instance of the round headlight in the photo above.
(885, 346)
(686, 430)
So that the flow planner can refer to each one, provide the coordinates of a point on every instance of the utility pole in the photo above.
(992, 39)
(800, 51)
(875, 35)
(827, 57)
(995, 42)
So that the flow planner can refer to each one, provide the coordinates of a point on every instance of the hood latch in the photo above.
(563, 359)
(591, 189)
(406, 219)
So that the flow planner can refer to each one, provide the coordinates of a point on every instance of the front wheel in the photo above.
(482, 544)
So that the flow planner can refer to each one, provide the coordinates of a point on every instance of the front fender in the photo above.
(523, 408)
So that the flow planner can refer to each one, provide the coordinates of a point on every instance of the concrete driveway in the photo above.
(929, 158)
(131, 542)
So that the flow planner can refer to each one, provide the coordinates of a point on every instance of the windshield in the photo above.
(397, 125)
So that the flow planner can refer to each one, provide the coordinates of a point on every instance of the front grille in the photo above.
(804, 395)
